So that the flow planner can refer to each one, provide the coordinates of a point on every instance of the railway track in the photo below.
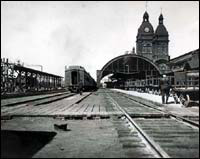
(154, 132)
(144, 131)
(193, 120)
(29, 99)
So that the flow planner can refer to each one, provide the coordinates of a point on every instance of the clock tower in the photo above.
(144, 45)
(150, 44)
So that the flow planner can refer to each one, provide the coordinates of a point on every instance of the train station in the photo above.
(142, 104)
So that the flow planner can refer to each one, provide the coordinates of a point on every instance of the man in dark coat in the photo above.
(164, 89)
(80, 87)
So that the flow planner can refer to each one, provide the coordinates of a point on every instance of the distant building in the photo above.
(187, 61)
(150, 61)
(153, 45)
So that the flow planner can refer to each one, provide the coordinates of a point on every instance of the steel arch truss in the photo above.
(129, 66)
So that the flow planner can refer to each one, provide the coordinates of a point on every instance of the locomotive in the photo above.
(76, 74)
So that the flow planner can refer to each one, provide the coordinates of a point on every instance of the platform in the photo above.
(94, 106)
(156, 99)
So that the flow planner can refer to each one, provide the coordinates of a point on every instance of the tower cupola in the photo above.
(145, 17)
(160, 19)
(161, 30)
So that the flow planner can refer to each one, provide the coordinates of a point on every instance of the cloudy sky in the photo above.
(59, 34)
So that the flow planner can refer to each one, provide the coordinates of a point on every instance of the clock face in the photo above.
(146, 29)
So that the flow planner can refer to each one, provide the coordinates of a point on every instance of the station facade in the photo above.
(150, 60)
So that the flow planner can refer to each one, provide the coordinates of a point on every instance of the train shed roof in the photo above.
(22, 68)
(184, 57)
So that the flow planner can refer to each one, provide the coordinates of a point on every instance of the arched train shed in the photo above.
(129, 66)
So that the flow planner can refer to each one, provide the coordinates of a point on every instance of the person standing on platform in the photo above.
(80, 87)
(164, 89)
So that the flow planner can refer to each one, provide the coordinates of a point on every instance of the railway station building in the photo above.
(185, 69)
(151, 59)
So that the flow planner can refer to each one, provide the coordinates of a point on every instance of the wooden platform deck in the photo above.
(93, 106)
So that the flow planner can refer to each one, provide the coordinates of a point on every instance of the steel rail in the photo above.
(160, 152)
(54, 99)
(35, 99)
(163, 111)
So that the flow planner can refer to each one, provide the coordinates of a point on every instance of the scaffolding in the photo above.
(16, 78)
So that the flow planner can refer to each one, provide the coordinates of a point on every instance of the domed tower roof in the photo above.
(146, 26)
(161, 30)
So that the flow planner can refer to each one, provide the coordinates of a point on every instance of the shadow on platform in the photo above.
(23, 144)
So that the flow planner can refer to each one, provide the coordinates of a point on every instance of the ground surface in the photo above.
(85, 138)
(35, 136)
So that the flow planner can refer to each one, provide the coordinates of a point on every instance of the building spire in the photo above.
(160, 19)
(146, 5)
(145, 17)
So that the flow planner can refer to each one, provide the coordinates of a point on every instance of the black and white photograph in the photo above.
(99, 79)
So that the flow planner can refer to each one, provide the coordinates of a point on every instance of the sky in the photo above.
(89, 33)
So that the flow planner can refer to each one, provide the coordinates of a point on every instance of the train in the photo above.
(184, 86)
(76, 74)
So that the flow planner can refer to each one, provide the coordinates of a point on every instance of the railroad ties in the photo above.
(169, 135)
(143, 129)
(69, 106)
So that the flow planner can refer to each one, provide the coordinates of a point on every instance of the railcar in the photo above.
(144, 85)
(76, 74)
(186, 87)
(184, 84)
